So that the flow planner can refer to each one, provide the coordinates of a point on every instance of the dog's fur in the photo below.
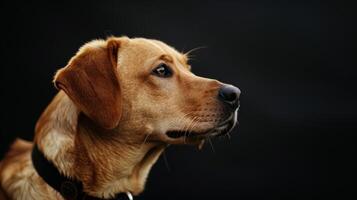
(107, 125)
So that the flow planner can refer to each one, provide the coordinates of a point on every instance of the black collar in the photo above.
(70, 189)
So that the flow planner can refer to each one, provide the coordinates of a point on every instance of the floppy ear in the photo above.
(90, 80)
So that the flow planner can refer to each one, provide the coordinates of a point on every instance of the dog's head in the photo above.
(146, 86)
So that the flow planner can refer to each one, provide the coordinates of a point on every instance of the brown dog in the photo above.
(122, 101)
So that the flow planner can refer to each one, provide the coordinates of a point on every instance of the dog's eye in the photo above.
(162, 71)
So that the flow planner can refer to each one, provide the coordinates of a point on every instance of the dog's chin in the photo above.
(195, 137)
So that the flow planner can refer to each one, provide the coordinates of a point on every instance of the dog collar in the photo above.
(69, 189)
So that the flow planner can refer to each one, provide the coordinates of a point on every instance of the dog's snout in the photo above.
(230, 95)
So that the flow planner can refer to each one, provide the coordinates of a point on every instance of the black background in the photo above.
(288, 58)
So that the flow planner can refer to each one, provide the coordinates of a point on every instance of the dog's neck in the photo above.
(105, 163)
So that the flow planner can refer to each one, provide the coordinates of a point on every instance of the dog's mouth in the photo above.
(221, 129)
(178, 134)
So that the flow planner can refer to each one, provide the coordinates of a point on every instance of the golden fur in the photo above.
(106, 126)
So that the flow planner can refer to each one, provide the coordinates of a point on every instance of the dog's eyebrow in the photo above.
(166, 58)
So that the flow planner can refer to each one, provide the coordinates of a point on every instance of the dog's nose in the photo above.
(230, 95)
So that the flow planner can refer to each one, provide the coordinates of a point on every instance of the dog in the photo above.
(121, 102)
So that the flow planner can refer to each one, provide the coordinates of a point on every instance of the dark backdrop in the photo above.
(288, 58)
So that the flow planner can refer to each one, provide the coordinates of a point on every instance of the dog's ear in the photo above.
(90, 80)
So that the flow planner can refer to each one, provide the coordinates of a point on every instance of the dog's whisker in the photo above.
(211, 144)
(166, 161)
(188, 53)
(175, 121)
(190, 127)
(228, 135)
(194, 125)
(186, 129)
(145, 139)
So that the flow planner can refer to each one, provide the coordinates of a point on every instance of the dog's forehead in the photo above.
(151, 47)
